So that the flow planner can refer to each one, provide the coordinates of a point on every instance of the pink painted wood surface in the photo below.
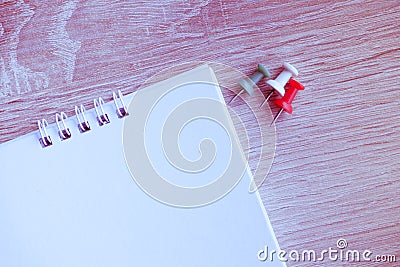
(337, 164)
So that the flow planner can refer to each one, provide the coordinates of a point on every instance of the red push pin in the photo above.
(285, 103)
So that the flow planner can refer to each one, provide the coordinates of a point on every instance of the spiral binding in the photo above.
(83, 124)
(63, 130)
(102, 117)
(45, 139)
(121, 111)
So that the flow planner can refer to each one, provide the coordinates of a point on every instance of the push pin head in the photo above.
(285, 103)
(249, 83)
(279, 83)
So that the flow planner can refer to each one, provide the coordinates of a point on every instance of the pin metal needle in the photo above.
(267, 97)
(276, 117)
(236, 96)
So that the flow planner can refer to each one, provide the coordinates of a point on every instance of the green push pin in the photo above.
(249, 83)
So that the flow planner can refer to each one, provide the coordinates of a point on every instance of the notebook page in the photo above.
(76, 203)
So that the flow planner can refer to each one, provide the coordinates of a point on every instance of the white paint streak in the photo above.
(5, 82)
(14, 77)
(61, 44)
(194, 12)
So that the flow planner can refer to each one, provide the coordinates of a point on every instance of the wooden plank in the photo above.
(337, 160)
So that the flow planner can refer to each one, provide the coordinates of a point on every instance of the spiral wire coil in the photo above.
(83, 124)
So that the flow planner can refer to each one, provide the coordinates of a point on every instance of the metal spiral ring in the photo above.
(63, 130)
(121, 111)
(102, 116)
(45, 139)
(83, 124)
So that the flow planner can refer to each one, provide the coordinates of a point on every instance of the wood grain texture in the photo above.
(337, 164)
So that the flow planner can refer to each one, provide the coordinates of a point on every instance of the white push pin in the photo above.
(249, 83)
(279, 83)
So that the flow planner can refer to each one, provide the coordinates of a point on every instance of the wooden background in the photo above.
(337, 164)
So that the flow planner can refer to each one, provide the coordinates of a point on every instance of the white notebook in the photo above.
(76, 202)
